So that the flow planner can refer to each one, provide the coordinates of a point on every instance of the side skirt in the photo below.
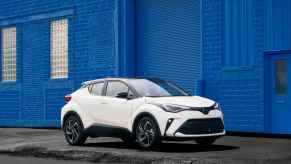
(99, 130)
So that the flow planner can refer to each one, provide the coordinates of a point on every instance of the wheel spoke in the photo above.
(147, 125)
(68, 131)
(151, 132)
(148, 140)
(145, 133)
(75, 133)
(141, 139)
(72, 130)
(140, 129)
(75, 125)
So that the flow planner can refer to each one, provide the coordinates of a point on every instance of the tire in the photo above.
(128, 140)
(147, 133)
(205, 141)
(74, 131)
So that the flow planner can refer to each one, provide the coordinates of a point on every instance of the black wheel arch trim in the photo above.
(140, 115)
(71, 113)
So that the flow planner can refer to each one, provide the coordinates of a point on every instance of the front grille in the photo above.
(205, 110)
(202, 126)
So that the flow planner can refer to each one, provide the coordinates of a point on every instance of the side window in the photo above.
(117, 89)
(97, 89)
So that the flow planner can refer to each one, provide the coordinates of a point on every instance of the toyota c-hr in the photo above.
(142, 111)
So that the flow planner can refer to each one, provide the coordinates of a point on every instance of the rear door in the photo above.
(93, 103)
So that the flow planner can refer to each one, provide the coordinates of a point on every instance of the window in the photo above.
(9, 54)
(281, 77)
(156, 88)
(59, 49)
(116, 89)
(97, 89)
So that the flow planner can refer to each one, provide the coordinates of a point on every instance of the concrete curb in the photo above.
(114, 157)
(98, 157)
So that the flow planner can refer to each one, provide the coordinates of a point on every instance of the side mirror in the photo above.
(122, 95)
(130, 96)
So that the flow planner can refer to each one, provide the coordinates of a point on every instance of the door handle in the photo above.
(103, 103)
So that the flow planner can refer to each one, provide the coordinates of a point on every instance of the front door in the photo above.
(117, 107)
(280, 113)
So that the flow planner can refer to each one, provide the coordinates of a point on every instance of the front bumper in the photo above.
(193, 125)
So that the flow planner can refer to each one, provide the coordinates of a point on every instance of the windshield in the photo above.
(156, 88)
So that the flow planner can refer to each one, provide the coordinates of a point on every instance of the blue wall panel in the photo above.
(278, 23)
(233, 45)
(239, 33)
(35, 100)
(168, 40)
(35, 54)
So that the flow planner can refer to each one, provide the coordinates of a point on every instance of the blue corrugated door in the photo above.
(168, 40)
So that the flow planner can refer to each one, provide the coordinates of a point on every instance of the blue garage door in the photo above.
(168, 40)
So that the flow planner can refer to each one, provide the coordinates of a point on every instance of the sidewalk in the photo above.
(51, 144)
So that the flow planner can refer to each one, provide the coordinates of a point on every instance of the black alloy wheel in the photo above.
(147, 133)
(73, 129)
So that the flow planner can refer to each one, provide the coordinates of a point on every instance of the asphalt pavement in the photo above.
(5, 159)
(49, 144)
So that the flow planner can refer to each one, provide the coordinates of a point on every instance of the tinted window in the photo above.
(281, 77)
(115, 88)
(97, 89)
(156, 88)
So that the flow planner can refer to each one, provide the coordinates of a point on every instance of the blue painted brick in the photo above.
(35, 100)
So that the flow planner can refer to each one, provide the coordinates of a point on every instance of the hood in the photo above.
(191, 101)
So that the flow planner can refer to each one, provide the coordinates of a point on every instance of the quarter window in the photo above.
(115, 89)
(97, 89)
(9, 54)
(59, 49)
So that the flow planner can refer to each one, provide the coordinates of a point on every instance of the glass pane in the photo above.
(281, 77)
(9, 54)
(59, 49)
(116, 88)
(97, 89)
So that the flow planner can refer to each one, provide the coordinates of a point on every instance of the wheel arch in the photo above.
(71, 113)
(141, 115)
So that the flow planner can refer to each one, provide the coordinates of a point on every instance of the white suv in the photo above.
(144, 111)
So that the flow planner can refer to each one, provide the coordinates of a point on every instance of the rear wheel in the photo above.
(205, 141)
(74, 131)
(147, 133)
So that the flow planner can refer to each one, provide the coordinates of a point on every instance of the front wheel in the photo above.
(74, 131)
(205, 141)
(147, 133)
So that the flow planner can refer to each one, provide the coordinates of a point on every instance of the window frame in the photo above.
(58, 77)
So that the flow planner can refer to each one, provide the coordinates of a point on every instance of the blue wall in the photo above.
(35, 100)
(235, 36)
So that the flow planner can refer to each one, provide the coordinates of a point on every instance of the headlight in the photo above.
(217, 106)
(174, 108)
